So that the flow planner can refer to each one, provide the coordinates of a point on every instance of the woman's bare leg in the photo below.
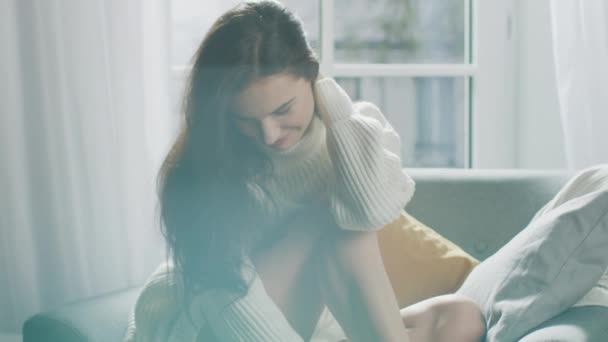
(356, 287)
(317, 264)
(287, 270)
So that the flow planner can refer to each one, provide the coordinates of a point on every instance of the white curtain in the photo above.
(580, 46)
(84, 125)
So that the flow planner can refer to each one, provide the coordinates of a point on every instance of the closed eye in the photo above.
(282, 111)
(284, 108)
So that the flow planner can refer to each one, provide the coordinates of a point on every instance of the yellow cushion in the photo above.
(420, 262)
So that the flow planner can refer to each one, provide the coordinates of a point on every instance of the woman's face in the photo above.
(275, 110)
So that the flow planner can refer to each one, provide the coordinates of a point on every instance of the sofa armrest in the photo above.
(101, 318)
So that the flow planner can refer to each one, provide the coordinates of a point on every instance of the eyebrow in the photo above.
(277, 110)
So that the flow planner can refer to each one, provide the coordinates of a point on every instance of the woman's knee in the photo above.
(459, 319)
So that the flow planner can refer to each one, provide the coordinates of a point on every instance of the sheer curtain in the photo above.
(580, 44)
(84, 124)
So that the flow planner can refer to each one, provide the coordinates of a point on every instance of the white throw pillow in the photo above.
(543, 270)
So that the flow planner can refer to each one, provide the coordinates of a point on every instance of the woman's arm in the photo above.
(371, 188)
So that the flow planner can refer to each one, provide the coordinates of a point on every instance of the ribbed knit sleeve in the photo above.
(252, 318)
(213, 315)
(371, 188)
(155, 309)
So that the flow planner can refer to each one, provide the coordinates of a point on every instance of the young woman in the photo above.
(271, 198)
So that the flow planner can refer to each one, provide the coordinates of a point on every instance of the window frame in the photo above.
(467, 69)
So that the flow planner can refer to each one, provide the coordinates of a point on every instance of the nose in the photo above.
(271, 130)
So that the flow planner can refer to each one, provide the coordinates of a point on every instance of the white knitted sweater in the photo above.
(349, 156)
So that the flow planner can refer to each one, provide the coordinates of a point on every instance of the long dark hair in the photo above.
(207, 209)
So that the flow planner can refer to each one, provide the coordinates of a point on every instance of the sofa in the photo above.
(480, 210)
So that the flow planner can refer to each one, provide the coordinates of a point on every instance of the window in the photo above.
(412, 58)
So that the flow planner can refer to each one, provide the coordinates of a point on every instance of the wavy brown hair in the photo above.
(207, 210)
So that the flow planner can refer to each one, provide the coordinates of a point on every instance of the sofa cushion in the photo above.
(543, 270)
(421, 263)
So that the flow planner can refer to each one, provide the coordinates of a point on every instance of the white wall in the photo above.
(538, 127)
